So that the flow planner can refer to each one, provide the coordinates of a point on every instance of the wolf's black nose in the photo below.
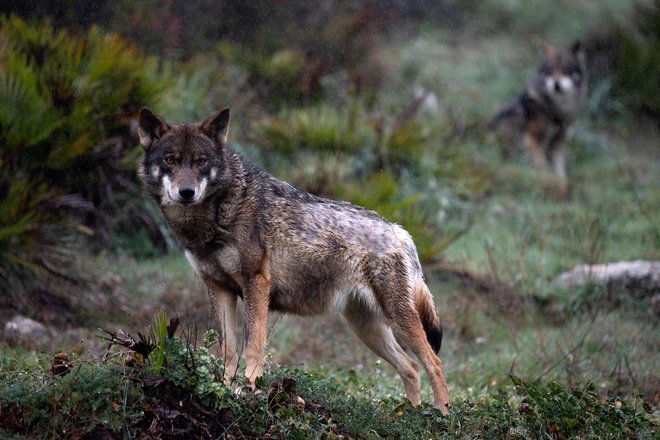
(187, 192)
(557, 87)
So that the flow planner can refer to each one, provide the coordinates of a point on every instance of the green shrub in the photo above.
(277, 77)
(89, 398)
(637, 69)
(577, 412)
(317, 129)
(67, 153)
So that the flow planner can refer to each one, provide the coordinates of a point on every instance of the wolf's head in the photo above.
(562, 75)
(182, 163)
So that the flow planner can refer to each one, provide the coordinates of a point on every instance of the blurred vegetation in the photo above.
(638, 64)
(67, 151)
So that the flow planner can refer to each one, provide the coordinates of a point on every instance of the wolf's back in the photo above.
(512, 113)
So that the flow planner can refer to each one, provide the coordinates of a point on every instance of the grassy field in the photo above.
(512, 336)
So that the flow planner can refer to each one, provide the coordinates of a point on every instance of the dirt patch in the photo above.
(173, 413)
(505, 298)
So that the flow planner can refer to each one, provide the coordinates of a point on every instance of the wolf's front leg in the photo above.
(559, 167)
(223, 303)
(256, 297)
(534, 143)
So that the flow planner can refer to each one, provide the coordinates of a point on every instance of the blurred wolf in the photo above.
(542, 115)
(250, 235)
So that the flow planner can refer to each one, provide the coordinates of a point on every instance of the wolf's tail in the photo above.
(429, 316)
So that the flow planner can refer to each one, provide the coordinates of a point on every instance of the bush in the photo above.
(89, 399)
(67, 152)
(638, 65)
(577, 412)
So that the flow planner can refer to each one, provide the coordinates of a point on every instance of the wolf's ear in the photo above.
(150, 127)
(549, 50)
(577, 49)
(217, 126)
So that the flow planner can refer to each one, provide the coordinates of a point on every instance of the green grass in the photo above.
(97, 397)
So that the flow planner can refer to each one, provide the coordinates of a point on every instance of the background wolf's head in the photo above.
(562, 77)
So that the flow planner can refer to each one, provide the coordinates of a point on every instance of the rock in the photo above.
(638, 278)
(22, 328)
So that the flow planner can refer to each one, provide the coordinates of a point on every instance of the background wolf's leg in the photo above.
(223, 303)
(559, 166)
(378, 336)
(256, 317)
(533, 143)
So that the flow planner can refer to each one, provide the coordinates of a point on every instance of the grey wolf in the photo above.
(542, 114)
(249, 235)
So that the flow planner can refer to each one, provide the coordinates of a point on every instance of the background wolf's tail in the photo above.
(429, 316)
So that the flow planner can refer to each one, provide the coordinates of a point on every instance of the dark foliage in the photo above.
(66, 151)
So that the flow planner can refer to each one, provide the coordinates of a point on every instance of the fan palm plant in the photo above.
(66, 148)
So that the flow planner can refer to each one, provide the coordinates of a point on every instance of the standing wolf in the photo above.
(544, 112)
(250, 235)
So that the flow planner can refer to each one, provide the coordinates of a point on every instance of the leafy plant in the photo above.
(276, 77)
(638, 65)
(577, 412)
(90, 399)
(66, 147)
(318, 129)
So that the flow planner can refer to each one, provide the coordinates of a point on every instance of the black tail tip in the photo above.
(434, 336)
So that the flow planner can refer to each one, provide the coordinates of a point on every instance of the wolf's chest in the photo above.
(221, 265)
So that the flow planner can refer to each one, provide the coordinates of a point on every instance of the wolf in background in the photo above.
(250, 235)
(540, 117)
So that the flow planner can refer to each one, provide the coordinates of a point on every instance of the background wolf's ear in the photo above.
(577, 49)
(549, 50)
(150, 127)
(217, 126)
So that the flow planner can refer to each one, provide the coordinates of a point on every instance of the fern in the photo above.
(65, 106)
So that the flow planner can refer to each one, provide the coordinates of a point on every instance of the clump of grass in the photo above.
(91, 398)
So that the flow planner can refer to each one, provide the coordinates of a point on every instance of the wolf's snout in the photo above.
(187, 192)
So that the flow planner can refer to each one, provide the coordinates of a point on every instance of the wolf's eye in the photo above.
(201, 161)
(170, 160)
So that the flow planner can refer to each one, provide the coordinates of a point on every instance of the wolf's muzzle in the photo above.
(187, 192)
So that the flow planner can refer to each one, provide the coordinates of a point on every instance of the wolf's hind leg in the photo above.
(412, 332)
(377, 335)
